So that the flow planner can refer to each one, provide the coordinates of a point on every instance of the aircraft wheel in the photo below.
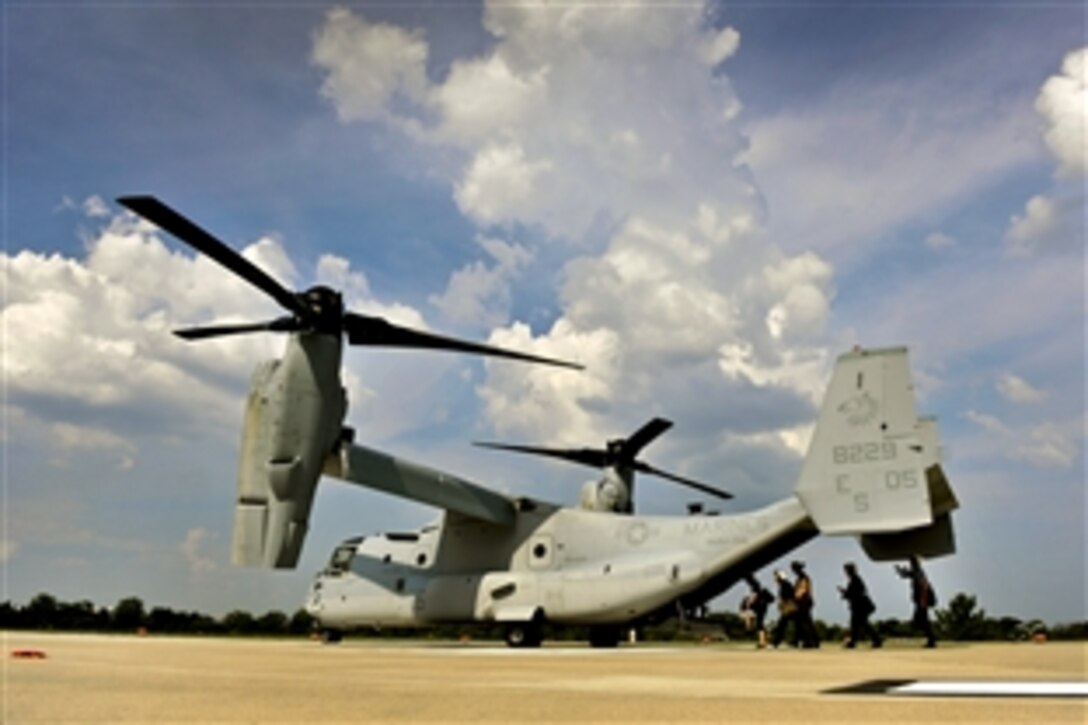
(331, 636)
(523, 634)
(604, 636)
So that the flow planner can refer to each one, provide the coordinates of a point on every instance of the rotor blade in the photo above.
(646, 468)
(171, 221)
(377, 332)
(642, 437)
(587, 456)
(282, 324)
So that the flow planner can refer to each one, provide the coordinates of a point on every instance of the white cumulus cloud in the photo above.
(1055, 221)
(1063, 103)
(1048, 225)
(1027, 231)
(371, 65)
(1048, 446)
(92, 337)
(500, 184)
(479, 294)
(1018, 390)
(1053, 445)
(611, 129)
(720, 46)
(988, 422)
(482, 99)
(572, 105)
(547, 403)
(70, 441)
(192, 549)
(94, 206)
(95, 332)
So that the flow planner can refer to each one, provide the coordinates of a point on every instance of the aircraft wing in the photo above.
(383, 472)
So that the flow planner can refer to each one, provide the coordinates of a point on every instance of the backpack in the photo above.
(929, 594)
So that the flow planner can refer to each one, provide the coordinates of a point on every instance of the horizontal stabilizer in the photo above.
(936, 539)
(928, 542)
(399, 477)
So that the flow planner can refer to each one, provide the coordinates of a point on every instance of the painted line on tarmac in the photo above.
(964, 688)
(537, 652)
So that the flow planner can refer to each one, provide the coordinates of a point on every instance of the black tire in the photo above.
(523, 634)
(604, 636)
(331, 636)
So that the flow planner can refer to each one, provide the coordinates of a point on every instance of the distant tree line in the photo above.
(45, 612)
(961, 620)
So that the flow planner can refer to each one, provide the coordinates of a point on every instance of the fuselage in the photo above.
(563, 565)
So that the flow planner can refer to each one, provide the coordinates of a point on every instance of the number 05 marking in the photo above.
(894, 480)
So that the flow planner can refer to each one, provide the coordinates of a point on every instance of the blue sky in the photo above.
(704, 205)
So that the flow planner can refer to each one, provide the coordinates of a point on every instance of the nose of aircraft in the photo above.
(313, 605)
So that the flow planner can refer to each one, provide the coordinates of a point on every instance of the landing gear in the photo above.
(604, 636)
(523, 634)
(331, 636)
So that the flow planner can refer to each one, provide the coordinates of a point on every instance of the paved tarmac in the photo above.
(94, 678)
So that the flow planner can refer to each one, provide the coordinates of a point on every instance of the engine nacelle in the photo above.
(292, 422)
(612, 492)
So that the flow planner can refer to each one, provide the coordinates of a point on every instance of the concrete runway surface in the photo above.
(88, 678)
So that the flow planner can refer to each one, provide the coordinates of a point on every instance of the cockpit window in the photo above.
(341, 558)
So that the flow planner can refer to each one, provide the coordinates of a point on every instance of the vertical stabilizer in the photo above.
(866, 466)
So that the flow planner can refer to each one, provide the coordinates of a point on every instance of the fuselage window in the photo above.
(341, 559)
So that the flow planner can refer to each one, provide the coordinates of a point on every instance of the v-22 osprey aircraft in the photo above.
(872, 471)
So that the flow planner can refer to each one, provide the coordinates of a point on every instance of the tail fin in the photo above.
(873, 466)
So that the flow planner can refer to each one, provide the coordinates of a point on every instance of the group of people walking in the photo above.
(795, 603)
